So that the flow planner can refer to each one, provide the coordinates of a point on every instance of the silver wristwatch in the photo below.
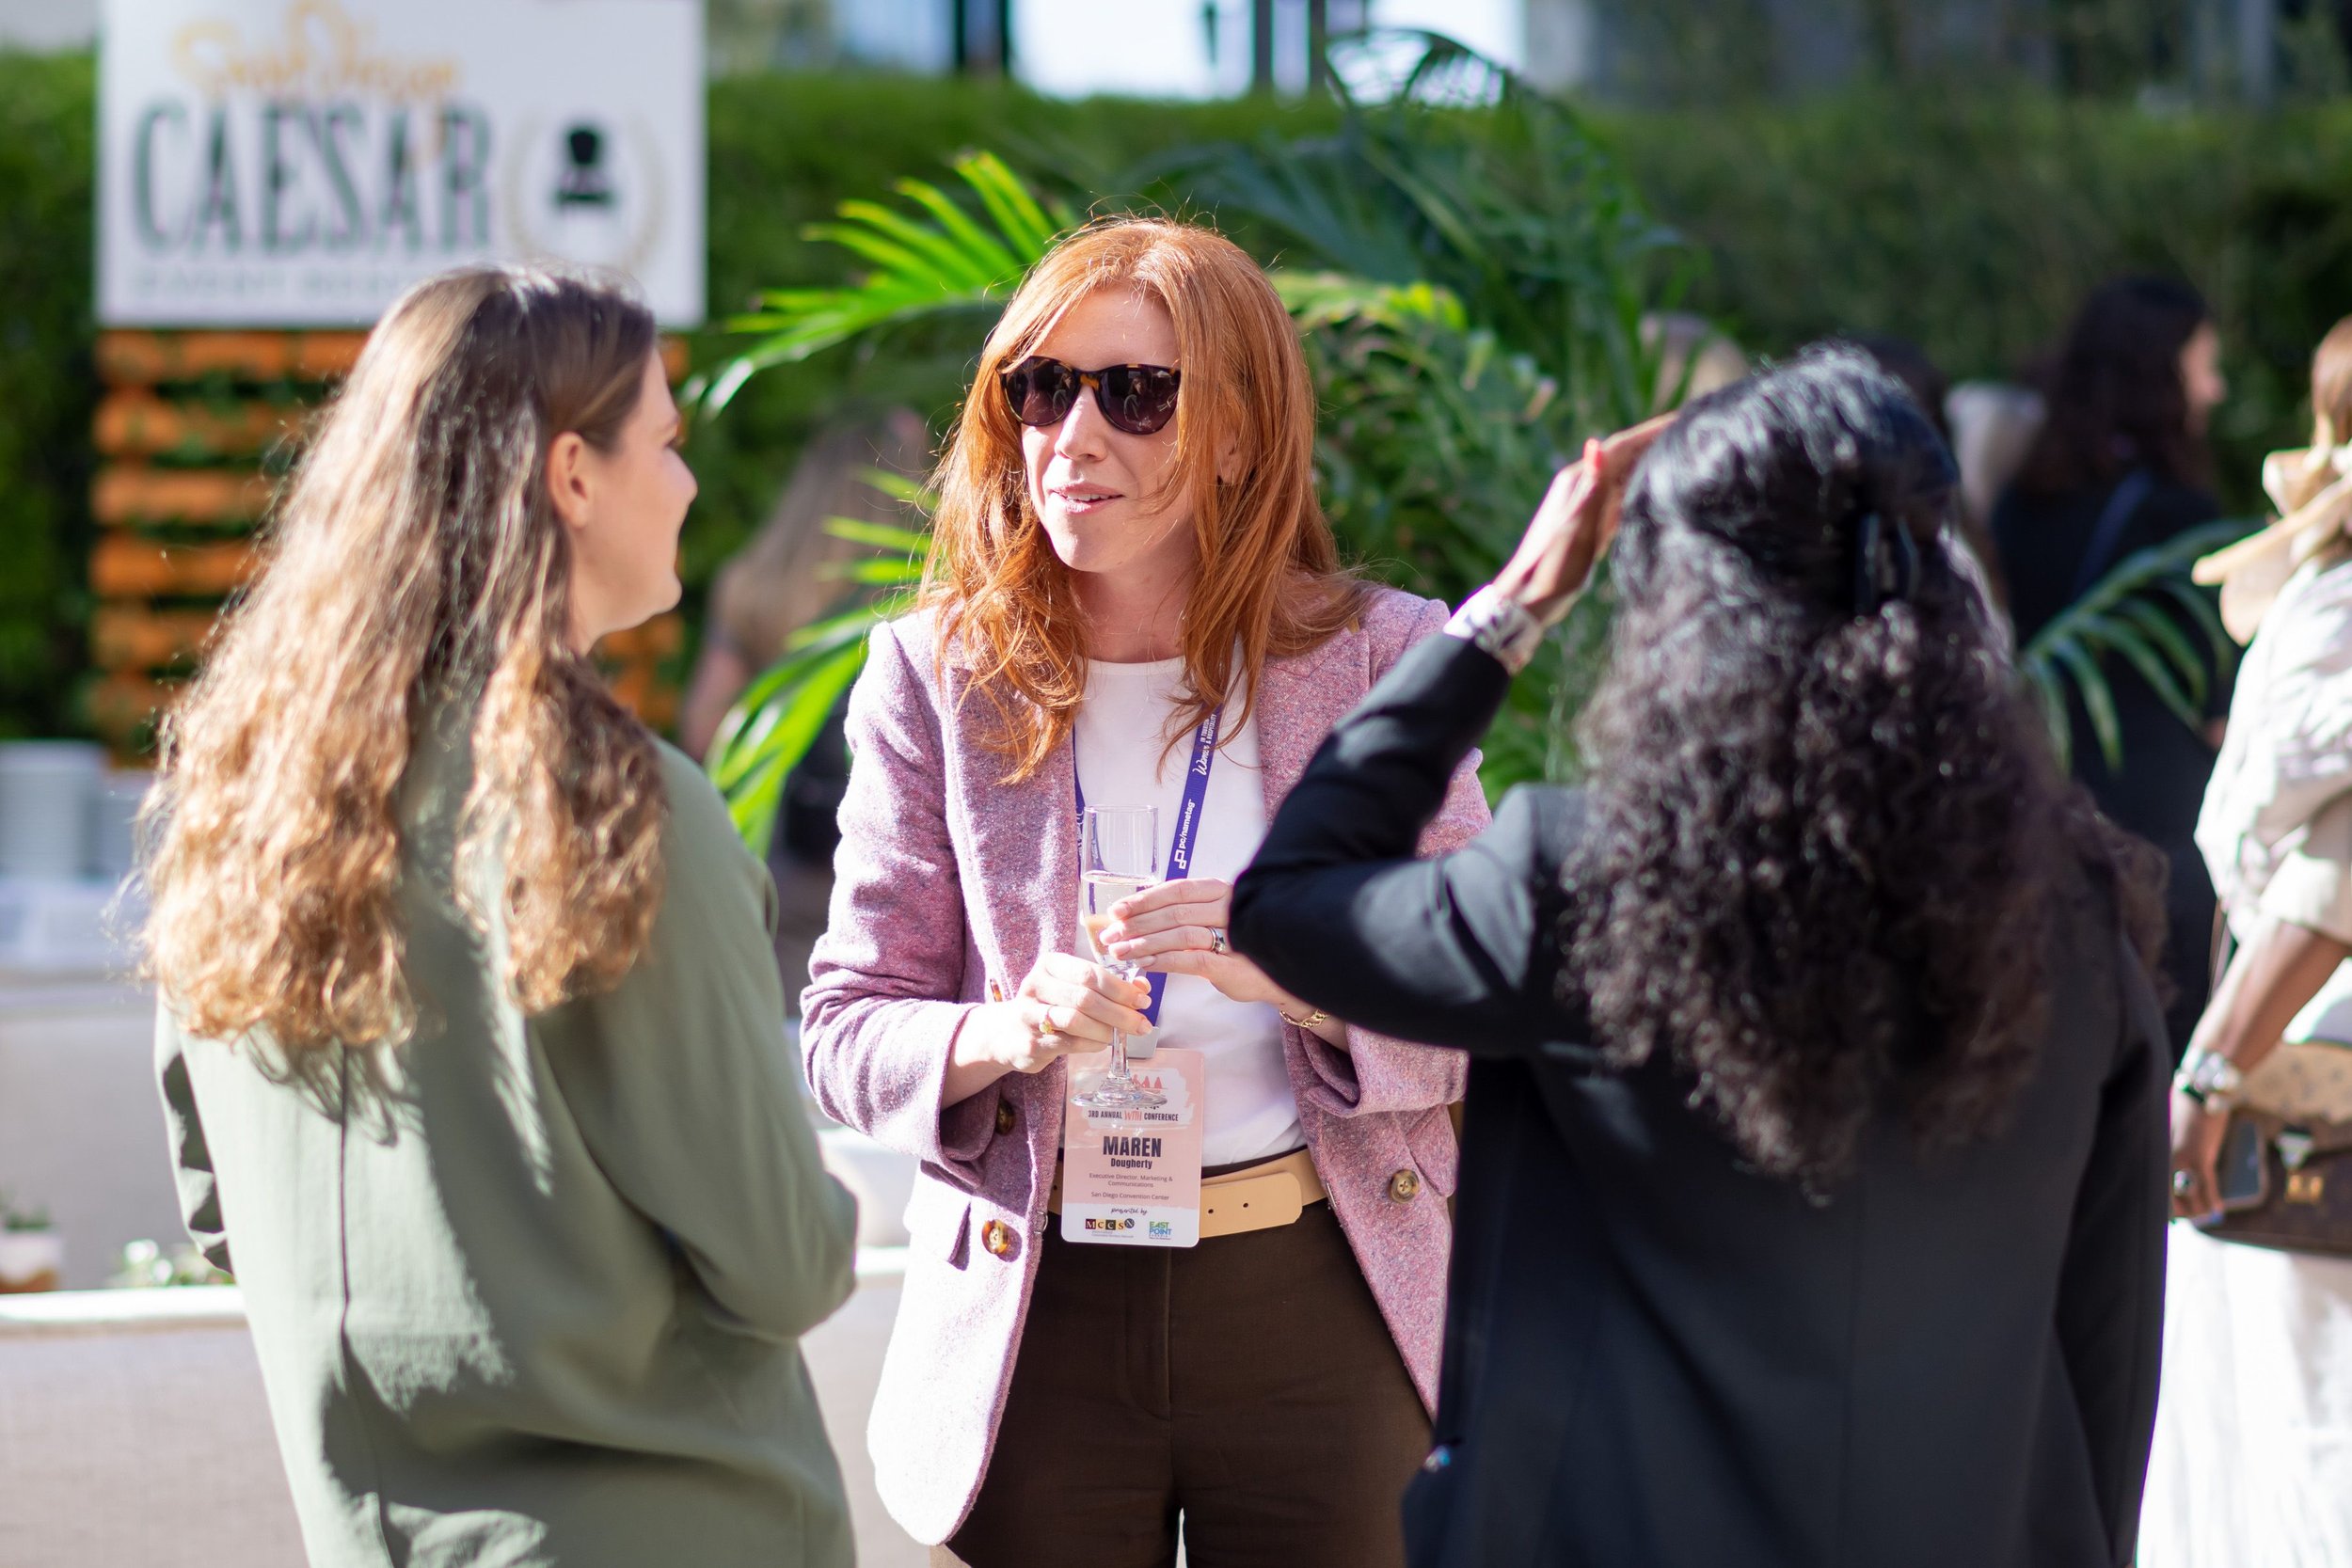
(2209, 1078)
(1502, 627)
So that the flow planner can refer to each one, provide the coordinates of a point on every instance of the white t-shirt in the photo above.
(1125, 760)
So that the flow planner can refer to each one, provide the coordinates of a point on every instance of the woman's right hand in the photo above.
(1065, 1003)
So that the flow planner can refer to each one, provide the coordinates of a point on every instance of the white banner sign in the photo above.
(298, 163)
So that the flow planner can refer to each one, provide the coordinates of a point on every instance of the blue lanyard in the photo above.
(1188, 827)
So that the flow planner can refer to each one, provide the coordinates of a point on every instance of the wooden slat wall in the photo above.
(183, 433)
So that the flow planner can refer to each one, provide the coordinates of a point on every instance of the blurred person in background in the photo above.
(787, 577)
(470, 1040)
(1813, 1191)
(1992, 426)
(1131, 587)
(783, 578)
(2253, 1458)
(1689, 346)
(2121, 464)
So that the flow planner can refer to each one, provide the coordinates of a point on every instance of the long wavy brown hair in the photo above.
(415, 568)
(1269, 581)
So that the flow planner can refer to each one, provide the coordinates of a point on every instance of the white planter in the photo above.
(880, 1178)
(46, 791)
(31, 1259)
(65, 926)
(114, 808)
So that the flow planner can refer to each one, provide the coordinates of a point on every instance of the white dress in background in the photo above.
(2253, 1464)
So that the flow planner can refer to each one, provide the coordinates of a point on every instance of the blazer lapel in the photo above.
(1298, 701)
(1025, 849)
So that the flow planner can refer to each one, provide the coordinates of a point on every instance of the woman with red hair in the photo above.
(1133, 600)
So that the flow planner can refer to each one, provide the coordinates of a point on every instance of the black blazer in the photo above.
(1658, 1358)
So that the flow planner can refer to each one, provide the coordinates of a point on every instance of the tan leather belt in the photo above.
(1257, 1197)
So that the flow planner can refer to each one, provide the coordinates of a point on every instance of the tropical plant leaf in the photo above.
(2098, 698)
(2120, 636)
(1470, 284)
(2202, 609)
(905, 491)
(782, 712)
(883, 536)
(796, 715)
(2178, 651)
(935, 260)
(2051, 699)
(1320, 299)
(1515, 208)
(743, 735)
(875, 574)
(851, 624)
(2133, 612)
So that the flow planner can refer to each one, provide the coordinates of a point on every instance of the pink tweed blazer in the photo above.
(946, 878)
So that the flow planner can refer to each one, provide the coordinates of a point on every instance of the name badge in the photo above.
(1132, 1178)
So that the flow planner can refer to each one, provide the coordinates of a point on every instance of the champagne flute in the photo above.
(1119, 855)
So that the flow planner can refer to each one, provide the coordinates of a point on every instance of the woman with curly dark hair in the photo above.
(1812, 1198)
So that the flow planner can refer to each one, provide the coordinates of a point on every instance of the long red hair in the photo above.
(1270, 583)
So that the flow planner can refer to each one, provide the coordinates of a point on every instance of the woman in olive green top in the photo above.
(471, 1039)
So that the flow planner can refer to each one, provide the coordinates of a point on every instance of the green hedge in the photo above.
(1976, 228)
(48, 387)
(1970, 227)
(785, 151)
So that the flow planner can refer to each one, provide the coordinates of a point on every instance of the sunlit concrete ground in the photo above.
(132, 1430)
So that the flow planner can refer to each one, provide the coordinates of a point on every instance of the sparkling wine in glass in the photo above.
(1119, 854)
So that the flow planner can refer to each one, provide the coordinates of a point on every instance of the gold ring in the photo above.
(1217, 940)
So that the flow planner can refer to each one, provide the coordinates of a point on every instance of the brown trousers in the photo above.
(1248, 1384)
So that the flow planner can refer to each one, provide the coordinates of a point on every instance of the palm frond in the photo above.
(753, 766)
(1469, 284)
(1511, 203)
(782, 714)
(2137, 613)
(935, 259)
(883, 536)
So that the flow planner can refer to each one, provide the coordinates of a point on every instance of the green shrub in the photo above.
(785, 151)
(1975, 229)
(48, 387)
(1971, 227)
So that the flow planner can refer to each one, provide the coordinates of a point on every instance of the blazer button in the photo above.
(997, 1237)
(1005, 1118)
(1405, 1186)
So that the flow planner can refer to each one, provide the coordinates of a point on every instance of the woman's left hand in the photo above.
(1179, 928)
(1572, 528)
(2197, 1134)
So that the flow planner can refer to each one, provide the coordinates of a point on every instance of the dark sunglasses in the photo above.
(1137, 399)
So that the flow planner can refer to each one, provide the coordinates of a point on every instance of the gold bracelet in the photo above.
(1312, 1018)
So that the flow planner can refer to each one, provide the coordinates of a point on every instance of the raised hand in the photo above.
(1573, 524)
